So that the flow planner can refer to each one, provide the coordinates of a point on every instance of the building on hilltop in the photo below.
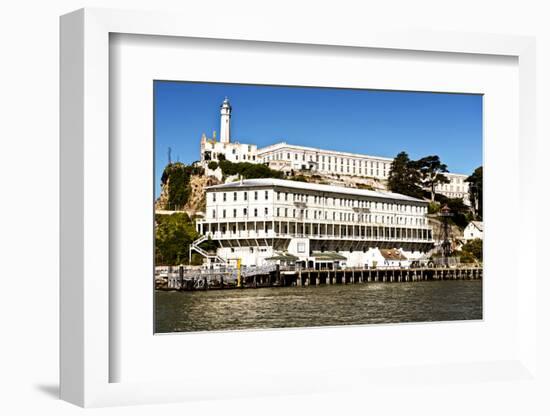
(290, 158)
(456, 188)
(319, 226)
(232, 151)
(287, 157)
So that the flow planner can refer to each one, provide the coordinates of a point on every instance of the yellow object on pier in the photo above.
(238, 272)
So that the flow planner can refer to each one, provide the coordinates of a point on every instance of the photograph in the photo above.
(295, 207)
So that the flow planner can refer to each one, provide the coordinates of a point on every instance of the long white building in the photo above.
(287, 157)
(292, 158)
(260, 220)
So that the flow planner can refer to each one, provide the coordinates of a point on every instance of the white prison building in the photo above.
(258, 220)
(456, 188)
(287, 157)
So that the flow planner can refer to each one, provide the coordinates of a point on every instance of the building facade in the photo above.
(290, 158)
(473, 231)
(322, 226)
(456, 188)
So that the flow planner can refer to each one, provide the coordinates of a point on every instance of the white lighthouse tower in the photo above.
(225, 121)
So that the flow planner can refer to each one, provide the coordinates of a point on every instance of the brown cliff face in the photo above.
(196, 202)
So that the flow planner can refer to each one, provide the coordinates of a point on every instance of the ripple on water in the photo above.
(318, 306)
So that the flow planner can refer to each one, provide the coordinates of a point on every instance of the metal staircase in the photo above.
(194, 246)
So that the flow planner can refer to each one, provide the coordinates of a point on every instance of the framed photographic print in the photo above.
(309, 224)
(272, 211)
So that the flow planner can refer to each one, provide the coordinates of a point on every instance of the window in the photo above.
(266, 194)
(286, 212)
(244, 212)
(278, 211)
(255, 212)
(265, 211)
(224, 197)
(255, 195)
(224, 213)
(214, 197)
(213, 213)
(234, 196)
(234, 213)
(286, 196)
(245, 196)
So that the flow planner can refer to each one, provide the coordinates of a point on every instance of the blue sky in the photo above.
(379, 123)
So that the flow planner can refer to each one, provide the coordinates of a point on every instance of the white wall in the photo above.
(29, 221)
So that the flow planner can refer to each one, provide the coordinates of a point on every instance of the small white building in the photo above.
(473, 230)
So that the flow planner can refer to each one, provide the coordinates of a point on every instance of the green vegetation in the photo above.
(476, 191)
(249, 170)
(213, 165)
(412, 177)
(432, 173)
(404, 177)
(471, 252)
(178, 175)
(434, 207)
(174, 233)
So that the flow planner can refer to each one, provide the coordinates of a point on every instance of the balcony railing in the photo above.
(250, 234)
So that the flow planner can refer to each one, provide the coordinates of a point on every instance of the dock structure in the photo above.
(281, 277)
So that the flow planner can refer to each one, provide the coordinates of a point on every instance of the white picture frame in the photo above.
(86, 334)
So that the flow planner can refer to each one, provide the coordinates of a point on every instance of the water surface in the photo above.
(370, 303)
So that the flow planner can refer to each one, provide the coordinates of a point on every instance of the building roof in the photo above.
(327, 256)
(477, 224)
(392, 254)
(305, 186)
(283, 145)
(284, 256)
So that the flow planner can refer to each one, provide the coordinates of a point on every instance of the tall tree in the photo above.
(404, 177)
(476, 191)
(432, 173)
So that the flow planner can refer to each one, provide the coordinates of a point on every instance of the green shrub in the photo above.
(213, 165)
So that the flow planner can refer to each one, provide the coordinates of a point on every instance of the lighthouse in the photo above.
(225, 121)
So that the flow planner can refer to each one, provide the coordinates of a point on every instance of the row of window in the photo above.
(320, 200)
(255, 195)
(318, 215)
(367, 232)
(329, 159)
(452, 188)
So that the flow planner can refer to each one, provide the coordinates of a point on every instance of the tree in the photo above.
(213, 165)
(432, 173)
(476, 191)
(173, 234)
(404, 176)
(474, 248)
